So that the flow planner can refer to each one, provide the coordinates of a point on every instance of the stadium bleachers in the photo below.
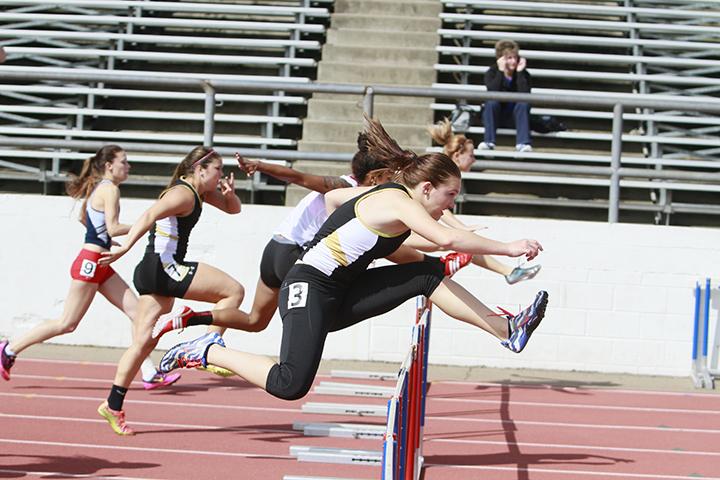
(631, 49)
(277, 41)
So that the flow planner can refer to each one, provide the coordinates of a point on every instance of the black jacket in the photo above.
(494, 81)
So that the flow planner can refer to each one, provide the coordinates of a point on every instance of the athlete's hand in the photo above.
(529, 248)
(227, 185)
(247, 166)
(106, 258)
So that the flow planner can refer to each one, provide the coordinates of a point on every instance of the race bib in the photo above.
(297, 295)
(175, 271)
(87, 268)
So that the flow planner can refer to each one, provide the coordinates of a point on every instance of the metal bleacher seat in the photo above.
(271, 41)
(636, 49)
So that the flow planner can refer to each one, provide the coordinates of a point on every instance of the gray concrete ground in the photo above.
(559, 379)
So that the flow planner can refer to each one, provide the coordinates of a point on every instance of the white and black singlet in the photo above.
(163, 270)
(331, 288)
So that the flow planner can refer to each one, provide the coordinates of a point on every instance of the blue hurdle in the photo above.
(702, 375)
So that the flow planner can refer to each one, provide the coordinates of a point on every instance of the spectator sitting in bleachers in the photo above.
(507, 74)
(3, 56)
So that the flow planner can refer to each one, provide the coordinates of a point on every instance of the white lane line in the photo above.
(434, 418)
(149, 424)
(427, 440)
(573, 405)
(181, 451)
(575, 473)
(68, 475)
(550, 386)
(66, 378)
(178, 404)
(62, 378)
(663, 429)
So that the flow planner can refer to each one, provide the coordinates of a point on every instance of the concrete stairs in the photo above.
(380, 42)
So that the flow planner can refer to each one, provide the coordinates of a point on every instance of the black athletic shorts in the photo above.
(169, 280)
(277, 260)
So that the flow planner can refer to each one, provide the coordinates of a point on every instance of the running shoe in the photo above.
(523, 324)
(519, 274)
(454, 261)
(116, 419)
(6, 361)
(161, 380)
(172, 321)
(189, 354)
(219, 371)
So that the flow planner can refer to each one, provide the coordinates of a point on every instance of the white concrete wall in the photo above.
(621, 296)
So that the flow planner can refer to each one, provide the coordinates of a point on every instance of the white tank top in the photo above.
(307, 217)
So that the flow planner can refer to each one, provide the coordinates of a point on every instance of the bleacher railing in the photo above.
(402, 447)
(609, 175)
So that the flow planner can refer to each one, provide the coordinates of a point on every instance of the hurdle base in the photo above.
(340, 430)
(703, 380)
(336, 455)
(353, 390)
(345, 409)
(304, 477)
(384, 376)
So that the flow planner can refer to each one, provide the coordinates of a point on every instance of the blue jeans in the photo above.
(509, 115)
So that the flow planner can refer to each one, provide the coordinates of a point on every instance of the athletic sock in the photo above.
(148, 369)
(9, 352)
(200, 318)
(116, 398)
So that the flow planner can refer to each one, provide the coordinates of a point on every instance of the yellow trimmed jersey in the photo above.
(344, 246)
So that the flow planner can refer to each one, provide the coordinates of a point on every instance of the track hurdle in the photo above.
(402, 448)
(401, 455)
(702, 375)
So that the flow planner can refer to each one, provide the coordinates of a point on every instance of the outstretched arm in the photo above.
(337, 197)
(451, 220)
(177, 201)
(318, 183)
(417, 219)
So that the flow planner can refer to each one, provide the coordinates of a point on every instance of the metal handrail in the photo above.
(211, 87)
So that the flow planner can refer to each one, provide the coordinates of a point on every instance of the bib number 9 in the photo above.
(87, 268)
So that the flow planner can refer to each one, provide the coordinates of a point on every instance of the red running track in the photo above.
(206, 427)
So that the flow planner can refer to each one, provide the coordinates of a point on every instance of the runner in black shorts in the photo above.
(367, 225)
(289, 239)
(163, 274)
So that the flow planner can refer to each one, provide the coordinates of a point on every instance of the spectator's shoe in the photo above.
(174, 320)
(522, 325)
(161, 380)
(454, 261)
(219, 371)
(189, 354)
(6, 361)
(486, 146)
(519, 274)
(524, 147)
(116, 419)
